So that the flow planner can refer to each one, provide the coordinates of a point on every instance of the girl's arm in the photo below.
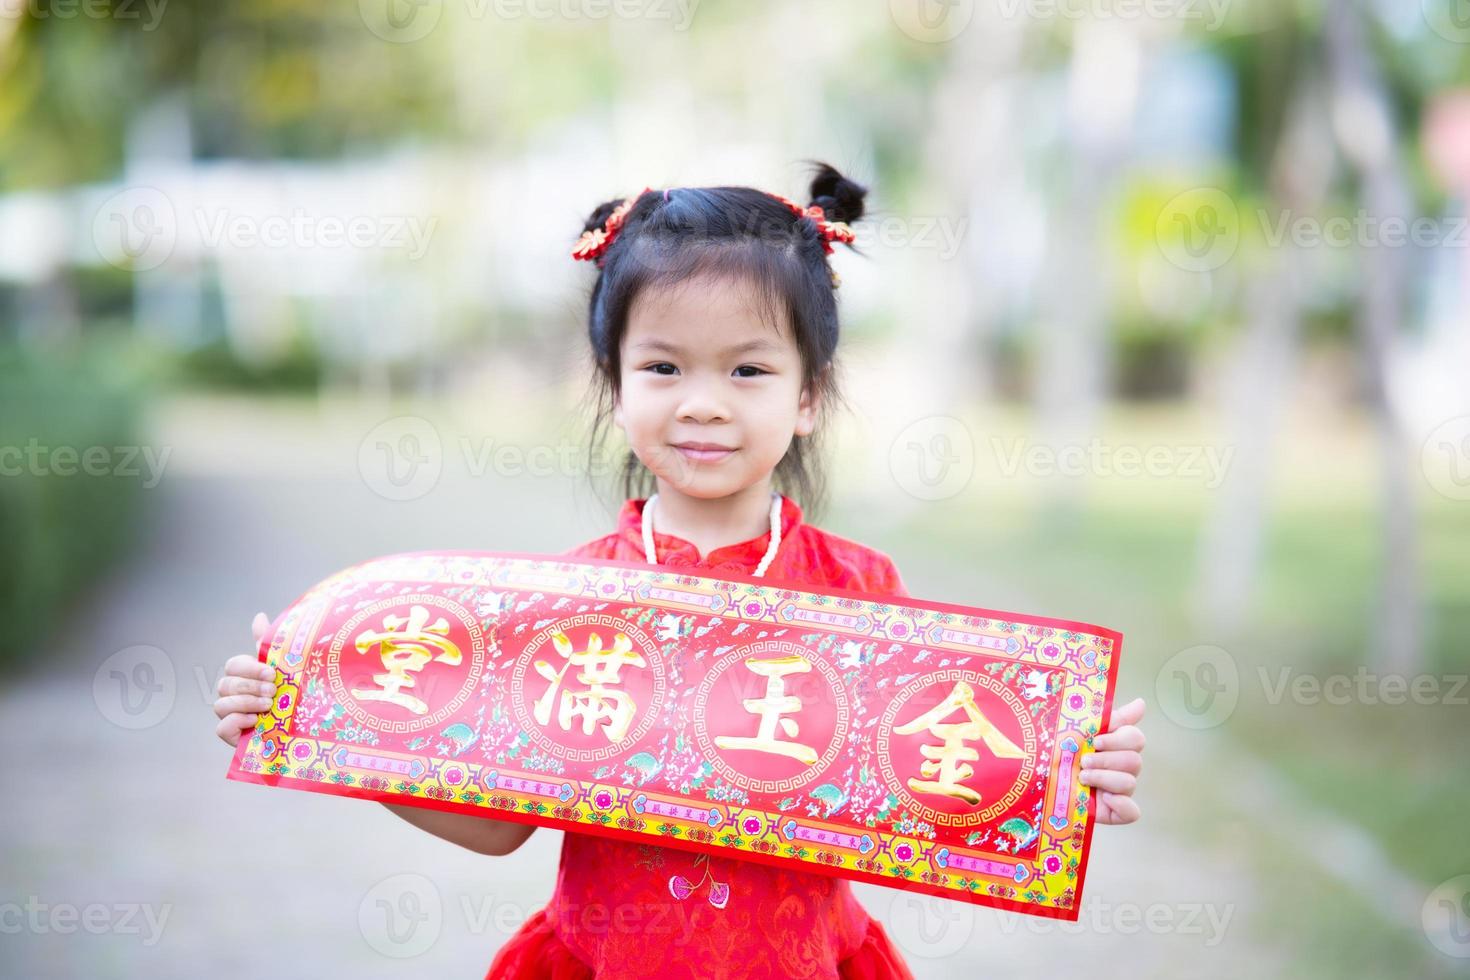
(483, 835)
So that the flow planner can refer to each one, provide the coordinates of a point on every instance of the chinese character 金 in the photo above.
(599, 670)
(776, 703)
(406, 644)
(951, 760)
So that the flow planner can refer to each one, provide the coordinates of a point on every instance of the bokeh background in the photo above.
(1162, 322)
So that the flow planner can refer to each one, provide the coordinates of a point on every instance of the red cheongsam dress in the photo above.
(614, 913)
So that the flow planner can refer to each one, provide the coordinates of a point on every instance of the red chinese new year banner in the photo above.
(913, 744)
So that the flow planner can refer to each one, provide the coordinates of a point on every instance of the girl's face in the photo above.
(701, 368)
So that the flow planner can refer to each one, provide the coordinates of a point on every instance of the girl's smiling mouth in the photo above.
(704, 451)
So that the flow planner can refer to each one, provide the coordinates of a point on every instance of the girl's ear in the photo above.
(806, 411)
(618, 412)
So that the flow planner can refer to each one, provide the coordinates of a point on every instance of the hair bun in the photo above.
(599, 214)
(839, 198)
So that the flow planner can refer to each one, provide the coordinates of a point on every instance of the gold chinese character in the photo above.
(405, 645)
(951, 759)
(770, 708)
(599, 668)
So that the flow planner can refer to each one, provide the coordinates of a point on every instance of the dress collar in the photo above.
(675, 550)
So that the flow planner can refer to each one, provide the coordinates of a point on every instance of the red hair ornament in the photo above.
(594, 242)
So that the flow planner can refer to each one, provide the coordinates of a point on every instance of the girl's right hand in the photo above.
(246, 689)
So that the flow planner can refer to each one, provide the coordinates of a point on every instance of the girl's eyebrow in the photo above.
(747, 347)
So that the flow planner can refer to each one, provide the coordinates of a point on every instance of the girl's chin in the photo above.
(706, 486)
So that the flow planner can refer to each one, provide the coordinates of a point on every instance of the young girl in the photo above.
(713, 324)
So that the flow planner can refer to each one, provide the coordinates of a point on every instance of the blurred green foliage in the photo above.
(281, 79)
(217, 364)
(60, 532)
(1151, 359)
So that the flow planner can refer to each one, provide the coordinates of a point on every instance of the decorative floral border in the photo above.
(1047, 884)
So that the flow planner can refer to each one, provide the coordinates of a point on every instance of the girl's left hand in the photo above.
(1113, 767)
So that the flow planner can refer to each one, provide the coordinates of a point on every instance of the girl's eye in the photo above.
(658, 369)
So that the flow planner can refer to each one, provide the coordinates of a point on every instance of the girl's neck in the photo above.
(710, 523)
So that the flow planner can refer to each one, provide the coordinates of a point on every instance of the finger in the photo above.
(1119, 761)
(1119, 809)
(1126, 737)
(231, 727)
(241, 703)
(246, 665)
(259, 625)
(234, 684)
(1109, 780)
(1130, 714)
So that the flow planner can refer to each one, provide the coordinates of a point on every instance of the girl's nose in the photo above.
(703, 405)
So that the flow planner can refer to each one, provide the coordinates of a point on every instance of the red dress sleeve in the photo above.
(890, 582)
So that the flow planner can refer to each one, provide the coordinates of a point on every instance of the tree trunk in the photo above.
(1369, 139)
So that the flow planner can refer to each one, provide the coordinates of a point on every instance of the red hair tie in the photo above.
(595, 241)
(831, 231)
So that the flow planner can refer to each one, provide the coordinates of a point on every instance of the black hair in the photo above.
(741, 233)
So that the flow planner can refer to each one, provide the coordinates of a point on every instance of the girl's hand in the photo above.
(1114, 767)
(246, 689)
